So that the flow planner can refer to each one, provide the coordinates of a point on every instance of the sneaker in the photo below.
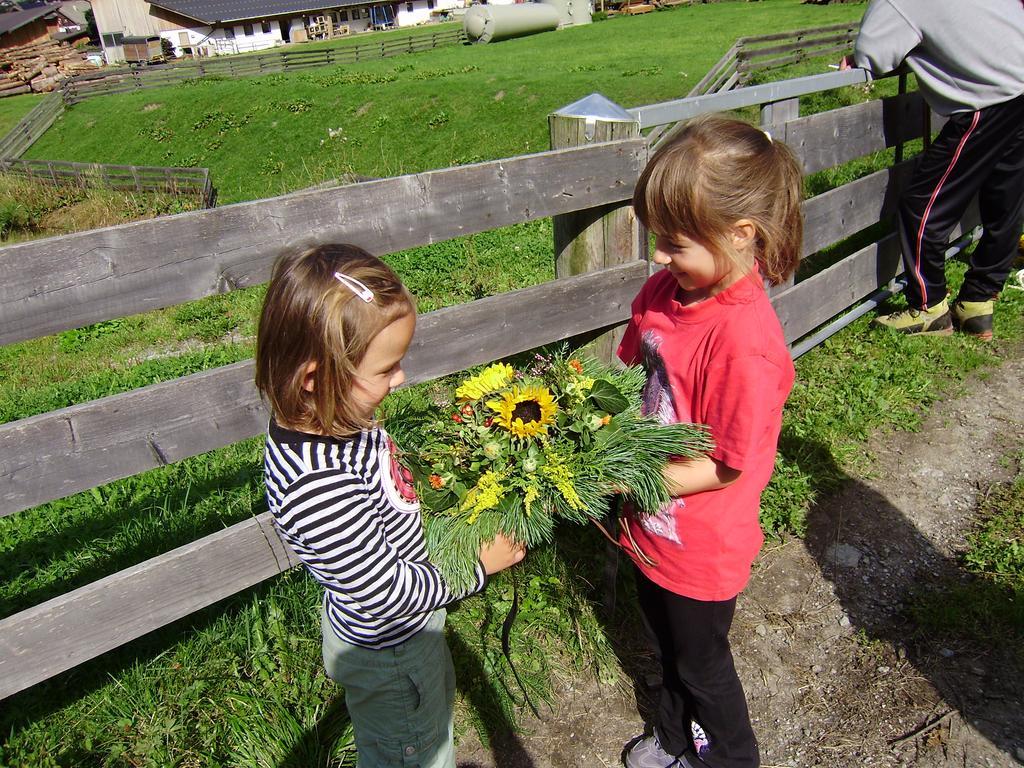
(934, 321)
(647, 753)
(974, 317)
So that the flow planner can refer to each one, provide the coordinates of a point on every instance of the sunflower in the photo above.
(525, 411)
(488, 380)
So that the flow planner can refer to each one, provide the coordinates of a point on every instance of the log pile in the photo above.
(39, 67)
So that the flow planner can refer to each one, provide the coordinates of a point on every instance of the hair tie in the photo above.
(357, 287)
(767, 136)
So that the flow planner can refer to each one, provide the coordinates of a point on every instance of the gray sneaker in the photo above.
(647, 753)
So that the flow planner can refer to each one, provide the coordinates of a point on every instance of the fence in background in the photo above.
(123, 80)
(190, 182)
(750, 55)
(71, 281)
(32, 126)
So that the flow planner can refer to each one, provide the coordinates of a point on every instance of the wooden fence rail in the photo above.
(191, 182)
(83, 278)
(58, 284)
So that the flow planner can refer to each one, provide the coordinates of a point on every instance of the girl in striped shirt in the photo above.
(335, 326)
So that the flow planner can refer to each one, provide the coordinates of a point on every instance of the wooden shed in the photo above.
(143, 50)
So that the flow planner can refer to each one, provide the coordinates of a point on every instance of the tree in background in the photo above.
(90, 25)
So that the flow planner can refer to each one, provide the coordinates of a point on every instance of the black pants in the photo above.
(699, 681)
(976, 153)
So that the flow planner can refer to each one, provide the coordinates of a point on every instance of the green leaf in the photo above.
(439, 499)
(608, 397)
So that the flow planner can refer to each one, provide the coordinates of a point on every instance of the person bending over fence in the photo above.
(723, 200)
(335, 326)
(969, 61)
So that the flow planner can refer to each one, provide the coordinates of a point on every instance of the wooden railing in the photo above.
(751, 55)
(66, 282)
(182, 182)
(32, 126)
(123, 80)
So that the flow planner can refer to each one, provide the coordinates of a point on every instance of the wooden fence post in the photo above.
(591, 239)
(595, 238)
(777, 113)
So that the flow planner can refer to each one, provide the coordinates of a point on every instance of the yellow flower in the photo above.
(484, 495)
(525, 411)
(531, 496)
(560, 475)
(488, 380)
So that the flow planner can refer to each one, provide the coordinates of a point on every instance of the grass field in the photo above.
(13, 108)
(239, 684)
(455, 105)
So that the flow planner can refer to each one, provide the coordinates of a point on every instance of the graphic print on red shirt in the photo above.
(658, 401)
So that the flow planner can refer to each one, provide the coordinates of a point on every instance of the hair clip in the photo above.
(767, 135)
(358, 288)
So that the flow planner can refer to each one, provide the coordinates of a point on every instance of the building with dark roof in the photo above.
(24, 27)
(71, 15)
(215, 27)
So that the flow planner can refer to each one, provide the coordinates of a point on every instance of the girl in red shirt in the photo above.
(723, 200)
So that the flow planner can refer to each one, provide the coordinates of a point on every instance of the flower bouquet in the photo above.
(519, 450)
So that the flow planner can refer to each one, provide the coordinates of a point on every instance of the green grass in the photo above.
(241, 683)
(455, 105)
(13, 108)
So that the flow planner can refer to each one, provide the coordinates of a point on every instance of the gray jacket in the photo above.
(967, 54)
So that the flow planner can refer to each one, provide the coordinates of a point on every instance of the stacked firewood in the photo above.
(39, 67)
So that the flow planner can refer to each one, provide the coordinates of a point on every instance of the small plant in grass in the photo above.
(13, 217)
(437, 120)
(158, 132)
(207, 319)
(78, 338)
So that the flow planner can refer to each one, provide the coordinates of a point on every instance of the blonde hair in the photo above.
(716, 171)
(311, 316)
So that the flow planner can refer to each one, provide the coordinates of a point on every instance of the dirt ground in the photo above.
(833, 673)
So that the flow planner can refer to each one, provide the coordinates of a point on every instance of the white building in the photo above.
(216, 27)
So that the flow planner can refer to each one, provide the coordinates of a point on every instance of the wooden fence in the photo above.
(56, 284)
(106, 82)
(32, 126)
(183, 182)
(750, 55)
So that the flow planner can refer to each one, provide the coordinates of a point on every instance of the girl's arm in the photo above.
(687, 476)
(332, 524)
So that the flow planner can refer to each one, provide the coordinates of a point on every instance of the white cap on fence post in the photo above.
(593, 108)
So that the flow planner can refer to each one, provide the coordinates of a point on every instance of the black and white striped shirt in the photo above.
(348, 511)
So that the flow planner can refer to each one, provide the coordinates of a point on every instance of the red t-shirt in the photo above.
(721, 362)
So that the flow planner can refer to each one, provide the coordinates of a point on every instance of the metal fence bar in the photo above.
(683, 109)
(872, 302)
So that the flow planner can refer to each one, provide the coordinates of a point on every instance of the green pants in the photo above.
(400, 698)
